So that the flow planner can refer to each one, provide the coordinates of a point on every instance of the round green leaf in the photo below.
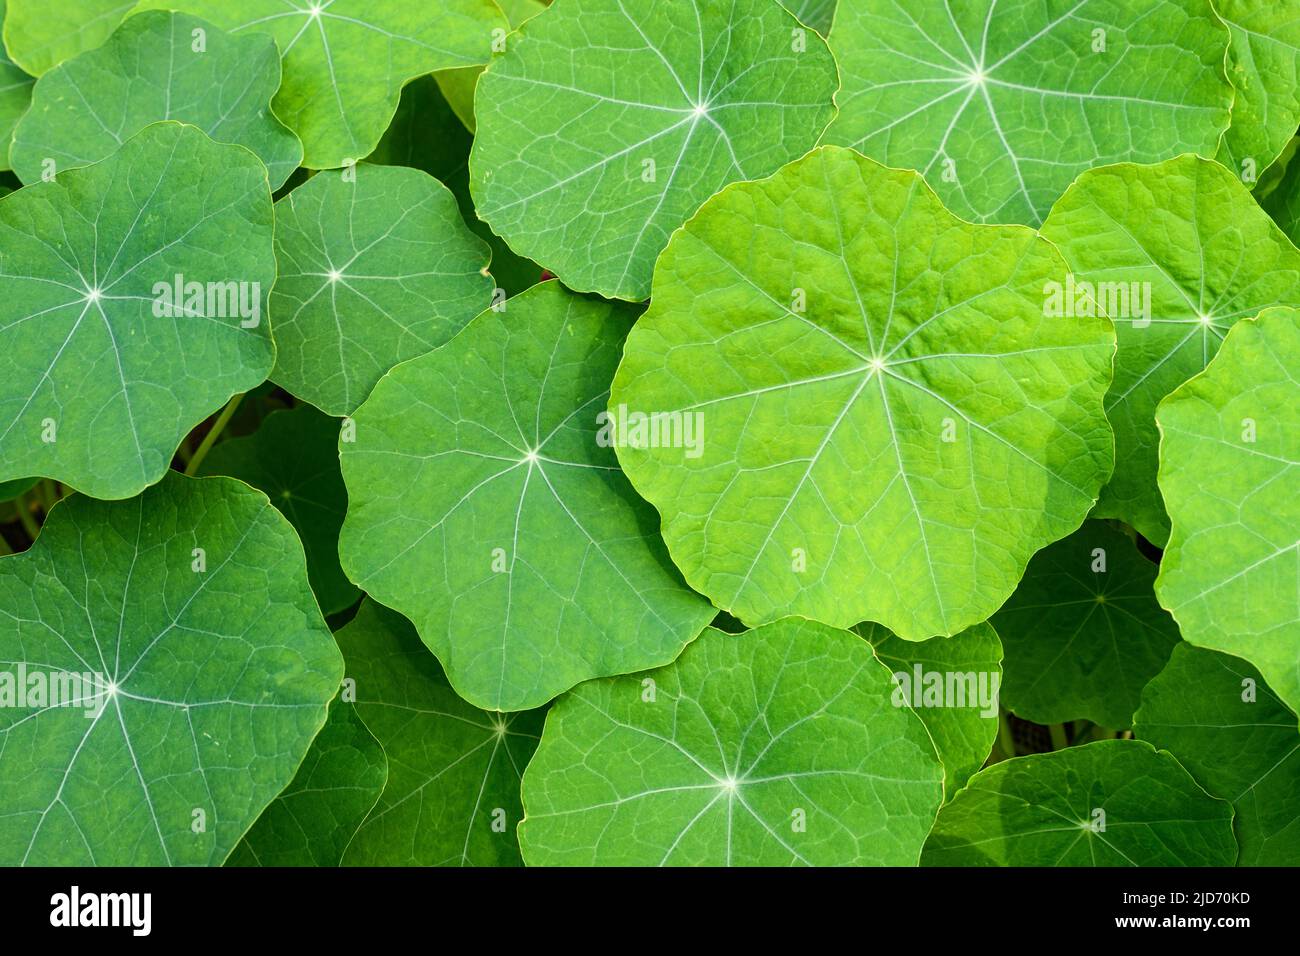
(202, 670)
(96, 388)
(1218, 717)
(452, 796)
(485, 508)
(293, 459)
(1109, 803)
(1083, 633)
(346, 61)
(376, 267)
(1174, 254)
(314, 819)
(963, 727)
(1230, 457)
(1003, 104)
(589, 154)
(156, 66)
(775, 747)
(894, 423)
(41, 34)
(15, 97)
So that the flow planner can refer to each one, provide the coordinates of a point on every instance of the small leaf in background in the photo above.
(312, 822)
(1109, 803)
(1002, 105)
(41, 34)
(588, 155)
(156, 66)
(1084, 633)
(458, 86)
(893, 420)
(484, 506)
(15, 97)
(1230, 455)
(1218, 717)
(781, 746)
(376, 266)
(964, 723)
(191, 666)
(346, 61)
(1175, 254)
(452, 795)
(293, 459)
(146, 318)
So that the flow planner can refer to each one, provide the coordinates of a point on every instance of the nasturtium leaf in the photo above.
(775, 747)
(895, 424)
(606, 124)
(191, 666)
(293, 458)
(1084, 633)
(452, 796)
(134, 306)
(346, 61)
(485, 506)
(458, 85)
(1174, 253)
(312, 822)
(41, 34)
(1229, 466)
(1264, 66)
(376, 266)
(1002, 104)
(12, 489)
(425, 134)
(1109, 803)
(1218, 717)
(953, 685)
(815, 13)
(15, 96)
(156, 66)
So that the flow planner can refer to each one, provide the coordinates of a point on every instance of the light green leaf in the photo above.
(293, 458)
(346, 61)
(1229, 460)
(1109, 803)
(891, 424)
(1083, 633)
(815, 13)
(963, 728)
(96, 389)
(150, 70)
(15, 97)
(41, 34)
(452, 797)
(589, 154)
(458, 85)
(314, 819)
(775, 747)
(1218, 717)
(1263, 64)
(484, 507)
(376, 267)
(1003, 104)
(1175, 253)
(208, 673)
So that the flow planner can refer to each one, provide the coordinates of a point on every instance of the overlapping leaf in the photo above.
(892, 422)
(156, 66)
(458, 85)
(15, 96)
(1174, 253)
(776, 747)
(41, 34)
(607, 123)
(1230, 456)
(483, 507)
(1002, 104)
(207, 673)
(816, 13)
(103, 367)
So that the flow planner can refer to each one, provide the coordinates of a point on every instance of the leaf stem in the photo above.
(1006, 742)
(23, 507)
(214, 432)
(1059, 739)
(5, 549)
